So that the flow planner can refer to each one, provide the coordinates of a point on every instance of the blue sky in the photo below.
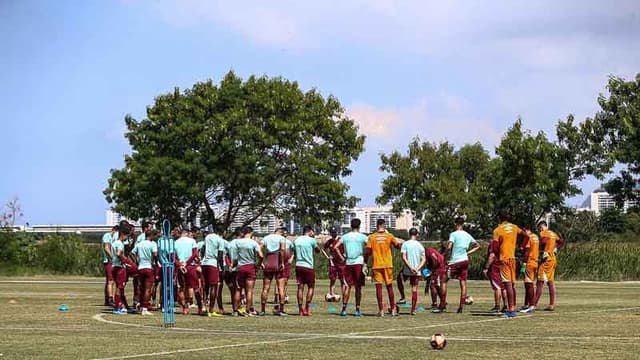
(456, 70)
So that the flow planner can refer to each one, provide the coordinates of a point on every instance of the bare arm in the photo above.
(475, 247)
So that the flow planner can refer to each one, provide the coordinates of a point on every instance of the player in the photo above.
(274, 247)
(413, 257)
(247, 253)
(305, 246)
(119, 260)
(550, 242)
(107, 239)
(230, 274)
(186, 263)
(529, 268)
(353, 244)
(146, 251)
(437, 269)
(336, 265)
(289, 256)
(378, 247)
(460, 246)
(212, 262)
(507, 233)
(491, 271)
(137, 285)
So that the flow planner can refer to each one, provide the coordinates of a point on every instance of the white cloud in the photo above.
(374, 122)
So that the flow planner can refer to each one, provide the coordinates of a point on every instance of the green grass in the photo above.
(590, 322)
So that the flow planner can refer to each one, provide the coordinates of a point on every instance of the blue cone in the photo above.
(313, 306)
(63, 307)
(420, 308)
(350, 306)
(407, 305)
(332, 309)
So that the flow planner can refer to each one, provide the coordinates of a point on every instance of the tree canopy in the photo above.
(241, 148)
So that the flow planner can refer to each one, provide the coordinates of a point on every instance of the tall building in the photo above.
(600, 200)
(370, 215)
(113, 218)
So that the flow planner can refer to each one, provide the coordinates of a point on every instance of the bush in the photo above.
(62, 254)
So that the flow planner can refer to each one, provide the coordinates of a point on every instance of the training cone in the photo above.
(63, 307)
(313, 306)
(420, 308)
(12, 302)
(406, 305)
(332, 309)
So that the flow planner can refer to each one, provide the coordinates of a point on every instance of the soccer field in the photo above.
(591, 321)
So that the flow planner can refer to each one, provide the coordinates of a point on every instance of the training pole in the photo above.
(167, 259)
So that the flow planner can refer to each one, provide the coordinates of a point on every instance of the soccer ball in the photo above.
(438, 341)
(331, 298)
(468, 300)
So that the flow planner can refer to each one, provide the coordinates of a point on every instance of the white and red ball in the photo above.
(438, 341)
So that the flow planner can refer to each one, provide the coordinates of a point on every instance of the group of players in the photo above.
(204, 268)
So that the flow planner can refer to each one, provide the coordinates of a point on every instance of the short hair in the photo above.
(333, 230)
(126, 230)
(219, 229)
(355, 223)
(379, 222)
(459, 220)
(239, 231)
(306, 229)
(146, 224)
(185, 231)
(115, 228)
(542, 223)
(504, 215)
(154, 232)
(247, 230)
(413, 232)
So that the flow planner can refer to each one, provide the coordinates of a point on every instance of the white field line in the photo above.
(356, 335)
(100, 317)
(181, 351)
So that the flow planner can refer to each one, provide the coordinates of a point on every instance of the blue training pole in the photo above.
(167, 260)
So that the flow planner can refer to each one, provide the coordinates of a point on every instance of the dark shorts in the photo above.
(246, 273)
(459, 270)
(211, 275)
(157, 273)
(271, 274)
(305, 276)
(353, 275)
(108, 271)
(119, 276)
(188, 278)
(414, 280)
(286, 272)
(146, 277)
(231, 279)
(336, 272)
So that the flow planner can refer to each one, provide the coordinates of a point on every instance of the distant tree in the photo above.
(612, 220)
(576, 226)
(612, 136)
(533, 175)
(437, 183)
(11, 213)
(247, 148)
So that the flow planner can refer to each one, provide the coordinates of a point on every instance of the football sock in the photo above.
(392, 300)
(515, 296)
(414, 300)
(510, 295)
(539, 289)
(529, 294)
(552, 292)
(379, 296)
(400, 284)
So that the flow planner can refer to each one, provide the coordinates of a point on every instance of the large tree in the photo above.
(533, 176)
(237, 149)
(436, 182)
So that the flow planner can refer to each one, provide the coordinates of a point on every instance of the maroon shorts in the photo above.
(108, 271)
(459, 270)
(157, 273)
(305, 276)
(353, 275)
(271, 274)
(231, 279)
(336, 272)
(437, 276)
(286, 272)
(246, 273)
(414, 280)
(188, 278)
(146, 277)
(494, 277)
(119, 276)
(211, 274)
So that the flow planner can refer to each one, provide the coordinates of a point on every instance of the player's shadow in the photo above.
(484, 313)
